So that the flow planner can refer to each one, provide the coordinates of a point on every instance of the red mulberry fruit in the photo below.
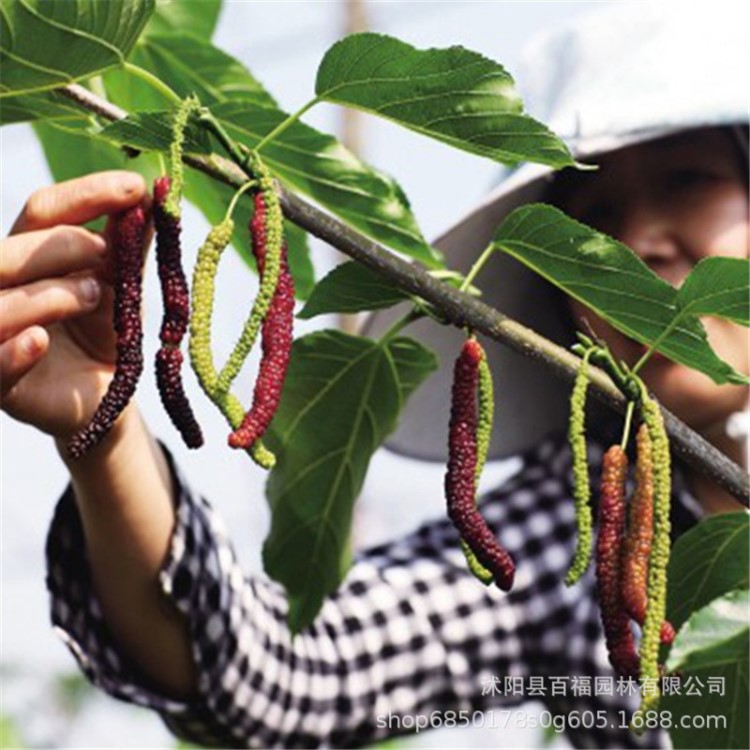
(619, 637)
(460, 478)
(639, 537)
(276, 343)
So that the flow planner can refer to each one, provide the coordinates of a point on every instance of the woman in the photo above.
(146, 590)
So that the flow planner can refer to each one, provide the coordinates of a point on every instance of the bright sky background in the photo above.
(282, 43)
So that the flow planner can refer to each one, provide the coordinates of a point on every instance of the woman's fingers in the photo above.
(19, 354)
(44, 302)
(80, 200)
(44, 253)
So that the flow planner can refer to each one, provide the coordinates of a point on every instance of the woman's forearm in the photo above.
(124, 495)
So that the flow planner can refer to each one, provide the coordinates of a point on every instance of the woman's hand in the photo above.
(57, 346)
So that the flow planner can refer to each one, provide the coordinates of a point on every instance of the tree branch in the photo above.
(457, 307)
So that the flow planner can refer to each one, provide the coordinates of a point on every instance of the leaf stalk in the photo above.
(655, 345)
(413, 315)
(282, 126)
(155, 82)
(477, 267)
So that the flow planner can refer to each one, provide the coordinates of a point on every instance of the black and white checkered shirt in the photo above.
(408, 633)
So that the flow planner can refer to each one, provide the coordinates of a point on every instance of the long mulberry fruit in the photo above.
(176, 299)
(128, 234)
(460, 478)
(656, 587)
(201, 357)
(581, 484)
(267, 232)
(639, 537)
(186, 108)
(276, 342)
(619, 637)
(484, 435)
(204, 283)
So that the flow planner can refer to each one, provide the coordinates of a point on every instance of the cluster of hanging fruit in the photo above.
(186, 309)
(633, 541)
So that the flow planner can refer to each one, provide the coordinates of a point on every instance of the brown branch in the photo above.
(459, 308)
(91, 102)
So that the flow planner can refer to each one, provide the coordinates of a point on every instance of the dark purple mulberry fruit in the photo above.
(176, 298)
(128, 234)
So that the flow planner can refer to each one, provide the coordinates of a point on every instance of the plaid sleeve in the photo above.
(409, 632)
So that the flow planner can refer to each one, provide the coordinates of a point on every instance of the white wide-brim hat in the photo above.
(623, 75)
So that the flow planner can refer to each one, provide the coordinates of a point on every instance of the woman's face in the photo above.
(674, 202)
